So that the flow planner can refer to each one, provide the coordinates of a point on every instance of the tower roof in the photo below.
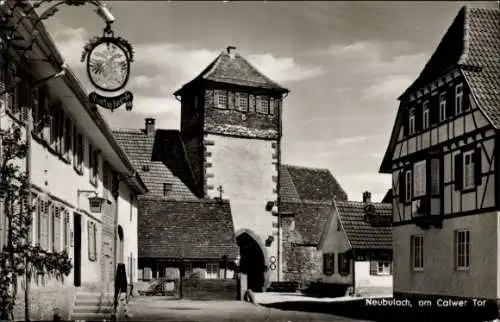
(232, 68)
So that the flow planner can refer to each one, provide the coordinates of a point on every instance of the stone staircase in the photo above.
(92, 306)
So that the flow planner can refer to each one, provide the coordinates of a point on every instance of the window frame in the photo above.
(221, 93)
(411, 122)
(442, 106)
(461, 259)
(243, 97)
(328, 264)
(425, 115)
(468, 167)
(459, 92)
(408, 185)
(417, 251)
(261, 108)
(210, 272)
(419, 178)
(383, 270)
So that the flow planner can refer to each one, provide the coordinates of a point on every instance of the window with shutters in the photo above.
(221, 98)
(425, 115)
(458, 99)
(411, 122)
(274, 109)
(243, 102)
(408, 186)
(419, 180)
(67, 138)
(56, 229)
(344, 264)
(328, 263)
(468, 169)
(417, 248)
(462, 249)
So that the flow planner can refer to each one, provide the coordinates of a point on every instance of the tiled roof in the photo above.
(164, 154)
(311, 218)
(309, 184)
(200, 229)
(361, 234)
(234, 70)
(482, 37)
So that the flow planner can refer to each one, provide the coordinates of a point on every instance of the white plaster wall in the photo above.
(439, 276)
(244, 167)
(127, 219)
(364, 279)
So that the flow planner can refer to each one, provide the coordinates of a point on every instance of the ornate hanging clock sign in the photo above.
(108, 68)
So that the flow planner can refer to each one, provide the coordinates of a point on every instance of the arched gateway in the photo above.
(252, 262)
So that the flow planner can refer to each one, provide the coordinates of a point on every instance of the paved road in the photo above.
(160, 309)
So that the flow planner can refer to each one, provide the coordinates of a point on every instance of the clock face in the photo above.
(108, 67)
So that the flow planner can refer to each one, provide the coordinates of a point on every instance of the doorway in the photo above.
(77, 227)
(252, 262)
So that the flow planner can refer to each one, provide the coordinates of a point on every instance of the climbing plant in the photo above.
(20, 256)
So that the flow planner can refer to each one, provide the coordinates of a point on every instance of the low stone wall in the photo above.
(199, 289)
(45, 302)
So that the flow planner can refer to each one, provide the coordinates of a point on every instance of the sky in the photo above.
(345, 64)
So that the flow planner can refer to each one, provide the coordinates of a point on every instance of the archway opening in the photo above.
(251, 262)
(120, 244)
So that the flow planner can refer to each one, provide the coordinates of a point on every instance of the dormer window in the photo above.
(221, 98)
(425, 115)
(458, 98)
(411, 122)
(442, 107)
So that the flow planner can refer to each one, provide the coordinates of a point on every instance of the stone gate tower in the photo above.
(230, 125)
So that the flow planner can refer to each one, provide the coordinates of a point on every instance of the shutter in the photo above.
(465, 98)
(339, 263)
(419, 116)
(89, 239)
(428, 176)
(258, 104)
(373, 268)
(405, 120)
(402, 186)
(450, 102)
(325, 258)
(251, 102)
(271, 105)
(237, 101)
(459, 164)
(478, 175)
(230, 100)
(332, 258)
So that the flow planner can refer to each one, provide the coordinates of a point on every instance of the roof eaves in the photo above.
(279, 87)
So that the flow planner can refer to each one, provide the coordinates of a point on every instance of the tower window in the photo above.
(221, 98)
(243, 102)
(263, 106)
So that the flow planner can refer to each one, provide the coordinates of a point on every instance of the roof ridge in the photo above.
(361, 202)
(215, 63)
(305, 167)
(466, 38)
(198, 200)
(262, 74)
(293, 185)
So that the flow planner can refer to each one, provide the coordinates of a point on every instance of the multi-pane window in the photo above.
(458, 98)
(425, 115)
(435, 173)
(380, 268)
(417, 247)
(419, 179)
(242, 102)
(468, 169)
(442, 106)
(212, 271)
(93, 164)
(462, 249)
(92, 240)
(408, 188)
(328, 263)
(411, 122)
(221, 98)
(263, 104)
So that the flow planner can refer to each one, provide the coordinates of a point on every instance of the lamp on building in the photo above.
(95, 202)
(269, 241)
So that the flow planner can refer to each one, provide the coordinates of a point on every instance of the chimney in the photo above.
(150, 126)
(231, 51)
(367, 196)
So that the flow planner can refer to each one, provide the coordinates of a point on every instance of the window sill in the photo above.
(418, 270)
(462, 269)
(469, 189)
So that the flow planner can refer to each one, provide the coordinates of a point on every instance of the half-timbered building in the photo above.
(442, 156)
